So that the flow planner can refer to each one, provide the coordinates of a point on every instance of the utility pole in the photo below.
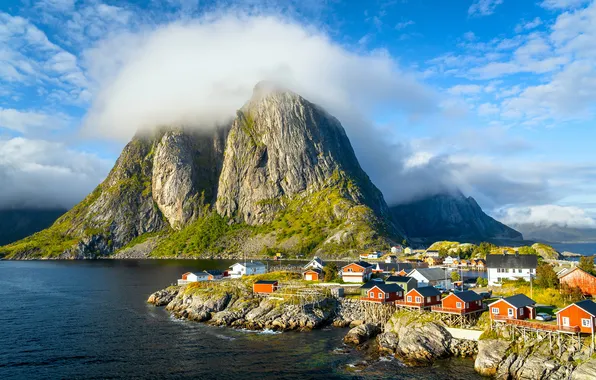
(531, 290)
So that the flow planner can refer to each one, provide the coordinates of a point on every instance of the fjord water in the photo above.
(89, 320)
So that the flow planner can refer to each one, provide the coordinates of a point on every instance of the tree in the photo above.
(330, 270)
(455, 276)
(586, 263)
(404, 243)
(480, 281)
(571, 294)
(525, 250)
(443, 252)
(546, 276)
(483, 249)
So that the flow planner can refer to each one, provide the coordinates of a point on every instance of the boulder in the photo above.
(585, 371)
(361, 333)
(491, 353)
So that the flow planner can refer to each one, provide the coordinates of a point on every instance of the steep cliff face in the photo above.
(450, 217)
(281, 175)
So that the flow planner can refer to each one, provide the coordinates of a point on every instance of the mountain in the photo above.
(556, 234)
(450, 216)
(16, 224)
(281, 176)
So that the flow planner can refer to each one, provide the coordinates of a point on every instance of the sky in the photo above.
(495, 98)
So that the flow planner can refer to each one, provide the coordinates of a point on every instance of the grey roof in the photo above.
(388, 267)
(432, 274)
(519, 300)
(428, 291)
(213, 272)
(512, 261)
(319, 271)
(468, 296)
(370, 284)
(255, 264)
(587, 305)
(266, 282)
(389, 288)
(399, 279)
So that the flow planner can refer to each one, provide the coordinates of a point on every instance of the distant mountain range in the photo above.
(556, 234)
(451, 216)
(19, 223)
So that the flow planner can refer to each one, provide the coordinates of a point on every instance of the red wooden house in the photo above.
(423, 297)
(462, 302)
(581, 279)
(518, 306)
(382, 293)
(263, 286)
(312, 274)
(580, 315)
(360, 271)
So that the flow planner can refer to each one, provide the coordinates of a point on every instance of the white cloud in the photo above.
(483, 7)
(201, 72)
(562, 4)
(528, 25)
(404, 24)
(487, 109)
(46, 174)
(30, 121)
(548, 215)
(465, 89)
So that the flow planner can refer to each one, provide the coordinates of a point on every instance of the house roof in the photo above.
(388, 288)
(427, 291)
(563, 274)
(198, 274)
(588, 306)
(213, 272)
(468, 296)
(512, 261)
(315, 259)
(518, 300)
(255, 264)
(266, 282)
(370, 284)
(316, 270)
(431, 274)
(363, 264)
(399, 279)
(388, 267)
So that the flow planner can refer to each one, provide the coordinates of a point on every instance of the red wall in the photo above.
(504, 306)
(585, 281)
(575, 315)
(451, 301)
(315, 275)
(413, 293)
(264, 288)
(373, 294)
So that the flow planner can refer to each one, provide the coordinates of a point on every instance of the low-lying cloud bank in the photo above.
(548, 215)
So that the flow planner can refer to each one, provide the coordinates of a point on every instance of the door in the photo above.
(309, 277)
(566, 321)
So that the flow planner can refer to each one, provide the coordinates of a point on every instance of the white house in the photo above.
(246, 269)
(433, 254)
(437, 277)
(449, 260)
(315, 263)
(510, 267)
(357, 272)
(397, 249)
(189, 277)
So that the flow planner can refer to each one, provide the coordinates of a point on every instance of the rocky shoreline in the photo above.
(415, 338)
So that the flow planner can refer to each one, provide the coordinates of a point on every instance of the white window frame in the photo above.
(409, 298)
(510, 312)
(428, 299)
(380, 295)
(418, 299)
(458, 305)
(495, 310)
(586, 322)
(521, 312)
(386, 295)
(565, 321)
(371, 294)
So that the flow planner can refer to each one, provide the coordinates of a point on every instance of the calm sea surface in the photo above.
(581, 248)
(89, 320)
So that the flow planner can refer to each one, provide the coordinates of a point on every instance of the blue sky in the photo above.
(493, 97)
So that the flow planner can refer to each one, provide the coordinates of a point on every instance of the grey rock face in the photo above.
(491, 353)
(585, 371)
(362, 333)
(281, 145)
(450, 217)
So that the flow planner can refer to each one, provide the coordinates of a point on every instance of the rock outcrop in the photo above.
(282, 164)
(450, 216)
(361, 333)
(491, 353)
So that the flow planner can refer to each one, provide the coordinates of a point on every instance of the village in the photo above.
(435, 285)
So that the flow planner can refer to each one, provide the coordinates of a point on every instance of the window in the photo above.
(438, 298)
(467, 305)
(586, 322)
(521, 311)
(458, 305)
(519, 271)
(371, 295)
(386, 295)
(510, 312)
(380, 295)
(427, 299)
(565, 321)
(418, 299)
(495, 310)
